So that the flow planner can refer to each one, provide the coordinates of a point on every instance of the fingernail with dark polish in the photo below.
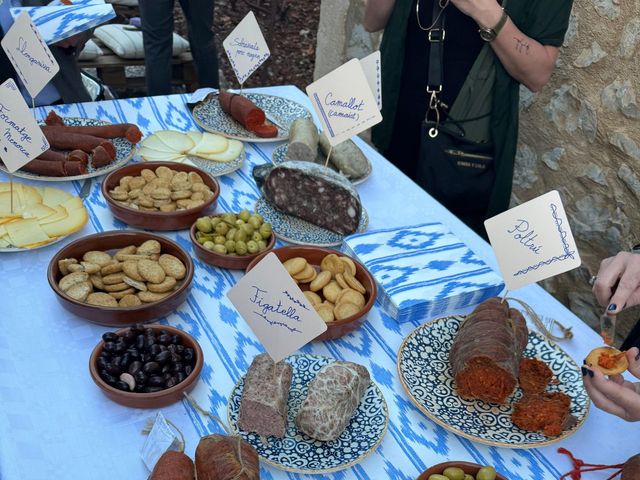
(590, 372)
(637, 357)
(612, 307)
(584, 362)
(584, 371)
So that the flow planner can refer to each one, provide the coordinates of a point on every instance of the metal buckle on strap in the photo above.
(432, 90)
(436, 35)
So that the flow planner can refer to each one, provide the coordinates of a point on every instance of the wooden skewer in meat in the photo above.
(486, 353)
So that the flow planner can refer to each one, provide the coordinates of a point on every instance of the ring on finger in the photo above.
(592, 280)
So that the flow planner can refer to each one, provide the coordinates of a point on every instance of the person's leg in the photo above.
(199, 15)
(157, 30)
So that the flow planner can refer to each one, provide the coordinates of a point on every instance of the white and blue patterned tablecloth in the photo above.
(56, 424)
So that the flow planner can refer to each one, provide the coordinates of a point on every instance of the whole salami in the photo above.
(334, 395)
(486, 353)
(263, 406)
(315, 194)
(220, 457)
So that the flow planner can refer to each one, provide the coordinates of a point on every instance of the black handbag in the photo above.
(455, 170)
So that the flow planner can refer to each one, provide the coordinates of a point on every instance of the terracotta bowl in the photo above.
(119, 317)
(179, 220)
(233, 262)
(470, 468)
(155, 399)
(314, 256)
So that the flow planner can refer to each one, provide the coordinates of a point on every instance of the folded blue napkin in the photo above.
(423, 271)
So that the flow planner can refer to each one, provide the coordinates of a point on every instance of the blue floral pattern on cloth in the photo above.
(423, 270)
(423, 365)
(297, 452)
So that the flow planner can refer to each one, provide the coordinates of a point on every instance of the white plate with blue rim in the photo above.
(124, 152)
(425, 374)
(279, 156)
(279, 111)
(297, 452)
(300, 232)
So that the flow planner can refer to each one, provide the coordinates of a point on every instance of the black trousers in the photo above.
(157, 29)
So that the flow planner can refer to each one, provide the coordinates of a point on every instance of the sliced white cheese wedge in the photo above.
(234, 149)
(74, 221)
(153, 142)
(54, 196)
(177, 141)
(6, 207)
(25, 232)
(211, 143)
(4, 242)
(38, 211)
(150, 155)
(195, 138)
(61, 214)
(31, 195)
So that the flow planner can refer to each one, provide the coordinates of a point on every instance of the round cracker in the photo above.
(96, 281)
(349, 265)
(113, 279)
(295, 265)
(114, 267)
(151, 271)
(149, 248)
(172, 266)
(341, 281)
(320, 281)
(123, 293)
(135, 284)
(352, 296)
(80, 291)
(354, 283)
(325, 312)
(313, 297)
(130, 250)
(331, 291)
(130, 269)
(70, 280)
(332, 264)
(307, 272)
(165, 286)
(345, 310)
(101, 299)
(149, 297)
(129, 301)
(117, 287)
(99, 258)
(312, 276)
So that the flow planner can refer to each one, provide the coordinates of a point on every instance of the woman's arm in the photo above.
(526, 60)
(376, 14)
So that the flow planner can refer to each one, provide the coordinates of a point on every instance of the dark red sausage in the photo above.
(48, 168)
(54, 119)
(241, 109)
(79, 156)
(52, 156)
(64, 140)
(127, 130)
(74, 168)
(266, 131)
(100, 157)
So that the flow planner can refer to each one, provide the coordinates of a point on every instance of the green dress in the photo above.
(543, 20)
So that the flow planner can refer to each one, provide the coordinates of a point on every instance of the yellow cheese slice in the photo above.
(177, 141)
(25, 232)
(5, 205)
(31, 195)
(234, 149)
(61, 213)
(211, 143)
(38, 211)
(54, 196)
(4, 243)
(154, 143)
(74, 221)
(149, 155)
(195, 138)
(73, 203)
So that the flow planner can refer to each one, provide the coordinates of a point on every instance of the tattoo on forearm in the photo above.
(521, 46)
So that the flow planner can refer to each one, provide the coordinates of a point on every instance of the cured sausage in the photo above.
(220, 457)
(486, 353)
(263, 406)
(72, 168)
(49, 168)
(346, 157)
(241, 109)
(315, 194)
(52, 156)
(53, 119)
(100, 157)
(173, 466)
(127, 130)
(64, 140)
(79, 156)
(334, 396)
(303, 140)
(266, 130)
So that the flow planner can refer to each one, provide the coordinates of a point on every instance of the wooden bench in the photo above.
(110, 69)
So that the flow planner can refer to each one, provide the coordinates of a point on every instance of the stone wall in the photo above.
(579, 135)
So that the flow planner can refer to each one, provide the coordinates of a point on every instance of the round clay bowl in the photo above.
(232, 262)
(155, 399)
(470, 468)
(314, 256)
(111, 316)
(179, 220)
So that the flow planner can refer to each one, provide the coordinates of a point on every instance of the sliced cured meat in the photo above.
(241, 109)
(485, 355)
(266, 130)
(78, 156)
(315, 194)
(100, 157)
(534, 375)
(334, 395)
(545, 412)
(72, 168)
(263, 405)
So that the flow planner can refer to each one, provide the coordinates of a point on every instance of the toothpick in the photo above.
(326, 163)
(33, 107)
(504, 297)
(241, 87)
(11, 189)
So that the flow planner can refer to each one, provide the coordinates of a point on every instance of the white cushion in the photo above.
(128, 43)
(91, 51)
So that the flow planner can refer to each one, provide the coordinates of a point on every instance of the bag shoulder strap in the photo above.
(436, 36)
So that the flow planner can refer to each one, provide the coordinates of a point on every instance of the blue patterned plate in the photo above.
(217, 169)
(297, 452)
(425, 374)
(124, 152)
(279, 155)
(300, 232)
(280, 111)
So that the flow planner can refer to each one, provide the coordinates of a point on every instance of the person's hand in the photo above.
(485, 12)
(614, 394)
(71, 41)
(617, 284)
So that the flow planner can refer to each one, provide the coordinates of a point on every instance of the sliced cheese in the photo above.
(177, 141)
(234, 149)
(61, 213)
(149, 155)
(6, 209)
(153, 142)
(54, 196)
(211, 143)
(195, 138)
(4, 243)
(75, 220)
(25, 232)
(31, 195)
(38, 211)
(73, 203)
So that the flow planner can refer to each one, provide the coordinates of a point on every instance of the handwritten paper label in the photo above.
(246, 47)
(29, 55)
(275, 308)
(371, 65)
(533, 241)
(344, 102)
(160, 439)
(21, 139)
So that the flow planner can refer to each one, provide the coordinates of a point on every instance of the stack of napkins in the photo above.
(423, 271)
(58, 22)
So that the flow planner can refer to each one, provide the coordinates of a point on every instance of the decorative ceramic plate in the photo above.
(124, 152)
(300, 232)
(18, 249)
(280, 111)
(297, 452)
(425, 374)
(279, 156)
